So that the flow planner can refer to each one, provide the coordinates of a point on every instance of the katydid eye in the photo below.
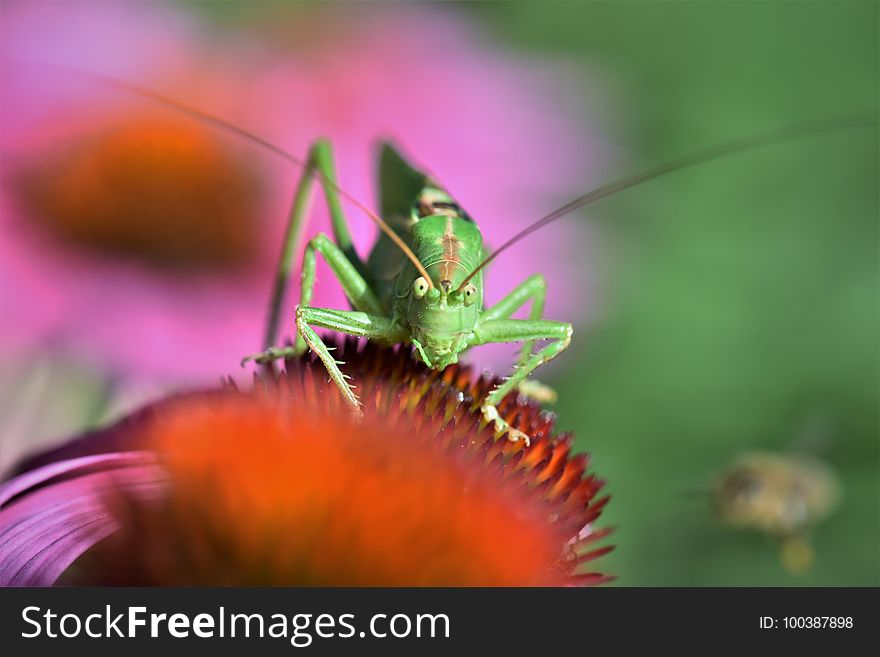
(420, 287)
(470, 294)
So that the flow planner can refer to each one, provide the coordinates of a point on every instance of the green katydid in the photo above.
(422, 283)
(424, 288)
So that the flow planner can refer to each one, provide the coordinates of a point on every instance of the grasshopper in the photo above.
(422, 282)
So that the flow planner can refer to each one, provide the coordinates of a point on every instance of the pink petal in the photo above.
(43, 532)
(69, 468)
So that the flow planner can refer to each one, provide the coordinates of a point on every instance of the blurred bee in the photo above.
(779, 495)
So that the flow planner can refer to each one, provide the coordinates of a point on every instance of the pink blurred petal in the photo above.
(43, 532)
(70, 468)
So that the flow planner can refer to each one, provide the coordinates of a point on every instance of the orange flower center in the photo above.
(262, 491)
(162, 191)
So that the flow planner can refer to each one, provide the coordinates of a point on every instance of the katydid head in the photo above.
(440, 311)
(441, 318)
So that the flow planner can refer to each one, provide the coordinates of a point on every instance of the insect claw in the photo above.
(490, 413)
(515, 435)
(538, 391)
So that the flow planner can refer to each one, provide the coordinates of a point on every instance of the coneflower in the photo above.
(281, 485)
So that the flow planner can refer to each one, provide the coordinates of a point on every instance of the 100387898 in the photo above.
(817, 622)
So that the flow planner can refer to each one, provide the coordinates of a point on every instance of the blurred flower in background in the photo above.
(280, 485)
(133, 240)
(143, 242)
(146, 240)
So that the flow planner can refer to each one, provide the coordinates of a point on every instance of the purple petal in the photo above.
(68, 469)
(43, 532)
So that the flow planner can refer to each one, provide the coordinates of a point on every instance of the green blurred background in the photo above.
(741, 297)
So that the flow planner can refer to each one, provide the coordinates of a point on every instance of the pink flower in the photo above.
(147, 241)
(280, 485)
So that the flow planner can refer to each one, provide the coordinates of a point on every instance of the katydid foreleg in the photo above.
(351, 322)
(341, 256)
(318, 164)
(533, 289)
(519, 330)
(353, 284)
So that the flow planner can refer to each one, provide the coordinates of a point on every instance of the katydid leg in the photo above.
(356, 288)
(318, 164)
(344, 261)
(519, 330)
(351, 322)
(353, 284)
(533, 289)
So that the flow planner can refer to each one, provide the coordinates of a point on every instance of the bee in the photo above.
(779, 495)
